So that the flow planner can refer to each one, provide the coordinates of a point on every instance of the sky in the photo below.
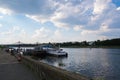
(31, 21)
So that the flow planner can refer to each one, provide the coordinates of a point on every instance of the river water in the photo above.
(97, 63)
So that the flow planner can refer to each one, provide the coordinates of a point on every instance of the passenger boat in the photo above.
(51, 50)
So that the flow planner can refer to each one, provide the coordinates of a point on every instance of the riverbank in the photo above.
(109, 47)
(49, 72)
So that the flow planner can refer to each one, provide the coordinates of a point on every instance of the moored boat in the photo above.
(51, 50)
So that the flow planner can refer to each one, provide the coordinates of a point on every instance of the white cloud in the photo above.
(11, 31)
(103, 37)
(87, 13)
(1, 25)
(58, 33)
(1, 17)
(88, 17)
(65, 16)
(78, 27)
(103, 29)
(6, 11)
(15, 34)
(68, 15)
(38, 18)
(89, 32)
(55, 19)
(40, 33)
(57, 36)
(16, 28)
(118, 8)
(100, 9)
(100, 6)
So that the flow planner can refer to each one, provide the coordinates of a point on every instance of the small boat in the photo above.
(51, 50)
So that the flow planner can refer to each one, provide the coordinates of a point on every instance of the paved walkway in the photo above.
(11, 69)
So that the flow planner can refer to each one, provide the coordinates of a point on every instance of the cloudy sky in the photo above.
(31, 21)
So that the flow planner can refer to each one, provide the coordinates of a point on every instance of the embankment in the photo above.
(47, 72)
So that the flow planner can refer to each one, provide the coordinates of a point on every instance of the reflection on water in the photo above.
(96, 63)
(58, 62)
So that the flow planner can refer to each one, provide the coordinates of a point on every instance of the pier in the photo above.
(11, 69)
(30, 69)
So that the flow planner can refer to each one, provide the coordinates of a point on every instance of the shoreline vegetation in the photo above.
(112, 43)
(109, 43)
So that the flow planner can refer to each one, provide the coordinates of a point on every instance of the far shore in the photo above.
(114, 47)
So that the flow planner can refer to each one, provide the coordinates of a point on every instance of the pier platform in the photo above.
(11, 69)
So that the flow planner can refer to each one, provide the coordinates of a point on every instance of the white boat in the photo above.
(51, 50)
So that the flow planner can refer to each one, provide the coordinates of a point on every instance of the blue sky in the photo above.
(31, 21)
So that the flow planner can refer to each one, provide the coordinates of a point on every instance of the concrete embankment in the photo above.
(11, 69)
(47, 72)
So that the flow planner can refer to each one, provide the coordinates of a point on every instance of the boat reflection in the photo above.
(55, 61)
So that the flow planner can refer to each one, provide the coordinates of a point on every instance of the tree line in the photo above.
(97, 43)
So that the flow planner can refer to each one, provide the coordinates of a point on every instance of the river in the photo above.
(97, 63)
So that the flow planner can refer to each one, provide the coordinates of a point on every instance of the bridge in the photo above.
(20, 44)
